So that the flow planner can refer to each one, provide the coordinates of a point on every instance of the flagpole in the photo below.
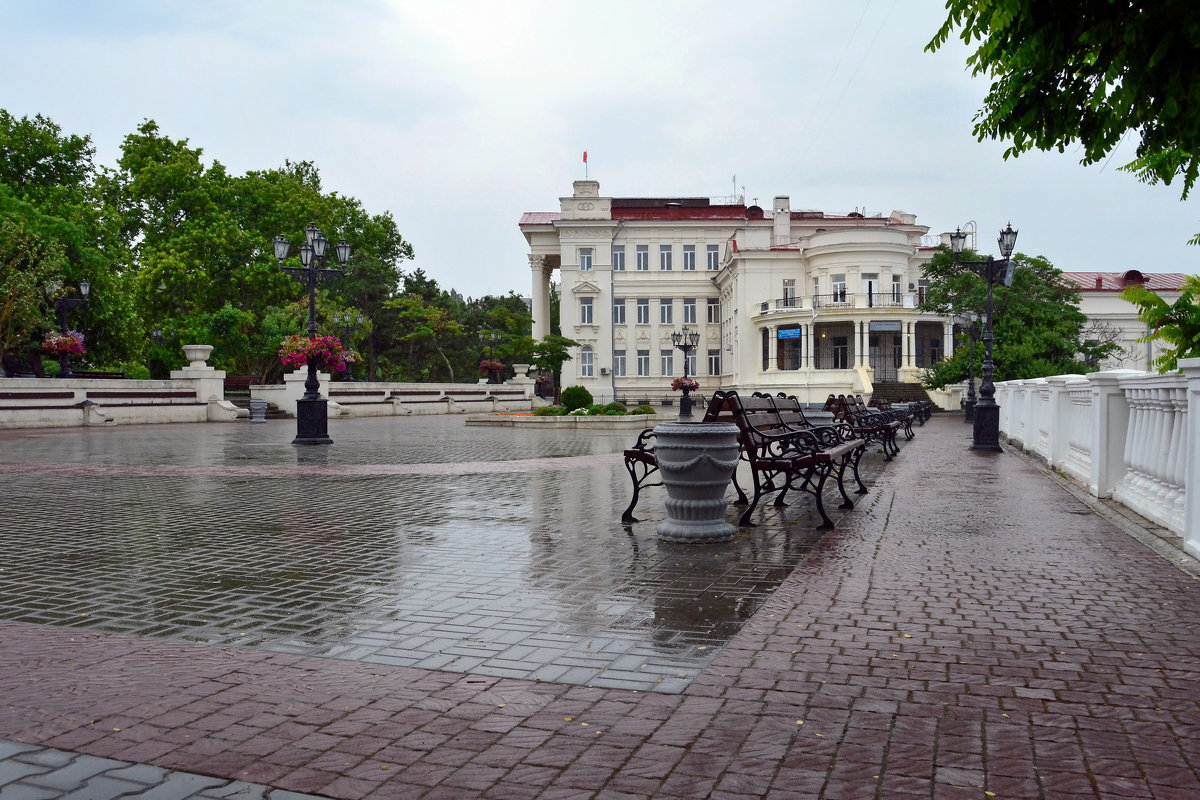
(585, 166)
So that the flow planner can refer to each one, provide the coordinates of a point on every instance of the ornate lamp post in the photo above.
(971, 401)
(986, 434)
(312, 410)
(346, 325)
(63, 305)
(686, 341)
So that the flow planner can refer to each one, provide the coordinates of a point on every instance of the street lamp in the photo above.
(491, 339)
(346, 325)
(986, 433)
(972, 327)
(312, 410)
(62, 305)
(686, 341)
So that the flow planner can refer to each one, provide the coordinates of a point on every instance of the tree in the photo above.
(1038, 329)
(1090, 73)
(27, 266)
(550, 353)
(1177, 324)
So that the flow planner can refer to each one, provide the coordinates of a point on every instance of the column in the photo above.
(541, 296)
(1191, 455)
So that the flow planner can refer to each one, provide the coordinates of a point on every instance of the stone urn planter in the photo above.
(697, 462)
(197, 353)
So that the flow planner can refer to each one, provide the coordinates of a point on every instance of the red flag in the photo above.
(585, 156)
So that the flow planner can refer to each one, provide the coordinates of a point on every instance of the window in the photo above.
(668, 362)
(585, 311)
(586, 362)
(585, 259)
(689, 311)
(714, 257)
(922, 289)
(618, 258)
(643, 257)
(789, 293)
(618, 363)
(664, 257)
(714, 310)
(643, 363)
(841, 352)
(897, 288)
(689, 257)
(618, 311)
(838, 288)
(643, 311)
(690, 360)
(714, 362)
(664, 311)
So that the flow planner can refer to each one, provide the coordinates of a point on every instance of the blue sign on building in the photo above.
(787, 333)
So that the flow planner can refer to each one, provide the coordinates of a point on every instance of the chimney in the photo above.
(781, 228)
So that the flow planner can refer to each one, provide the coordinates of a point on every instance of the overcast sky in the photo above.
(457, 117)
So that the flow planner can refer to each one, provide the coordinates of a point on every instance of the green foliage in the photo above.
(595, 410)
(643, 409)
(574, 397)
(1089, 75)
(27, 265)
(549, 354)
(615, 406)
(1038, 329)
(549, 411)
(614, 412)
(1176, 324)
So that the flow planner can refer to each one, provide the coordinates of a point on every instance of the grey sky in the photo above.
(458, 117)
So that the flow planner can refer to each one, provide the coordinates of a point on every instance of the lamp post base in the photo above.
(312, 421)
(685, 405)
(969, 410)
(987, 428)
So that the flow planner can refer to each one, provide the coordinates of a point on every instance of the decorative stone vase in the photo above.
(697, 462)
(197, 353)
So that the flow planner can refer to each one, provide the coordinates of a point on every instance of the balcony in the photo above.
(838, 301)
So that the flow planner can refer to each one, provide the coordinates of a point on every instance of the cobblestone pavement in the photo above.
(495, 555)
(980, 635)
(29, 772)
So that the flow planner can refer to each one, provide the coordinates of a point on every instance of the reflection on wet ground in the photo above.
(228, 535)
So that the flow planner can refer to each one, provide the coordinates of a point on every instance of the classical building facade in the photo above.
(784, 300)
(1113, 318)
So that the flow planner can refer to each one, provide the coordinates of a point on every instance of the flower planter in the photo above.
(197, 354)
(697, 462)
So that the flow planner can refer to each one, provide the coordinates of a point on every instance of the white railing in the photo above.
(1122, 434)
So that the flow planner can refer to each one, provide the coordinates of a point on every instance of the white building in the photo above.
(783, 300)
(797, 301)
(1111, 315)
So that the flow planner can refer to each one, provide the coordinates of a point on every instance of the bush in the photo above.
(614, 412)
(549, 411)
(574, 397)
(615, 406)
(643, 410)
(579, 412)
(595, 411)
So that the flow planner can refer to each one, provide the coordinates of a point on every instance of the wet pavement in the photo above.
(426, 610)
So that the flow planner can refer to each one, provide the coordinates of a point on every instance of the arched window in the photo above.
(587, 362)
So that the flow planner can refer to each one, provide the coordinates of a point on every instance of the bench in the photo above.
(241, 383)
(874, 427)
(132, 398)
(98, 374)
(904, 413)
(781, 457)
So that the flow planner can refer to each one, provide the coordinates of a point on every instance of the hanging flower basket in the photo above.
(325, 352)
(685, 383)
(68, 343)
(488, 367)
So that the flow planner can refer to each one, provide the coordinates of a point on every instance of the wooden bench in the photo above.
(902, 412)
(241, 383)
(837, 439)
(136, 398)
(781, 457)
(874, 427)
(98, 374)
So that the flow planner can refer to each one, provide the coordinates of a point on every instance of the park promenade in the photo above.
(426, 610)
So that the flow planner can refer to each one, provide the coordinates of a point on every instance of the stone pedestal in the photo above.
(697, 462)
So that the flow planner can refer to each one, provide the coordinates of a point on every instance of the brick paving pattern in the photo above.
(970, 631)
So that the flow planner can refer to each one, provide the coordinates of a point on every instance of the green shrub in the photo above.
(549, 411)
(595, 410)
(614, 412)
(574, 397)
(615, 406)
(579, 412)
(643, 410)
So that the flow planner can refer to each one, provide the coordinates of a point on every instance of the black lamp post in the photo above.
(312, 410)
(971, 401)
(63, 305)
(986, 434)
(346, 325)
(686, 341)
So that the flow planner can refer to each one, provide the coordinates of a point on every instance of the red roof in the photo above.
(1117, 281)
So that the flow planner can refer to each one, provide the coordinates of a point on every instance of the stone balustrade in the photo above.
(1122, 434)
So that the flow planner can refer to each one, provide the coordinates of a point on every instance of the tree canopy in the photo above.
(178, 250)
(1176, 324)
(1038, 329)
(1088, 72)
